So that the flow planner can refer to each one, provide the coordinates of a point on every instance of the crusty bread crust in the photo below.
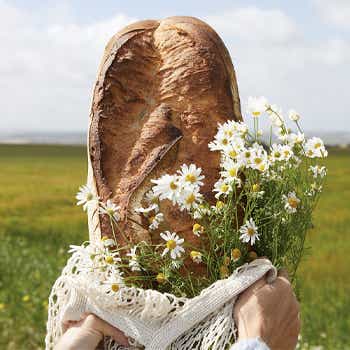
(161, 89)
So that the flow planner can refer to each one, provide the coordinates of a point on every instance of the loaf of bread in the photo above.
(162, 88)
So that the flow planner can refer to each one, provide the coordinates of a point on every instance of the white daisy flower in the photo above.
(314, 189)
(112, 258)
(176, 264)
(197, 229)
(133, 262)
(196, 256)
(282, 134)
(155, 221)
(231, 152)
(242, 129)
(151, 198)
(257, 105)
(220, 143)
(276, 153)
(291, 202)
(231, 169)
(315, 148)
(286, 152)
(228, 129)
(191, 175)
(245, 156)
(147, 211)
(275, 115)
(200, 211)
(113, 284)
(249, 232)
(259, 160)
(317, 170)
(110, 209)
(167, 187)
(86, 197)
(296, 139)
(293, 115)
(108, 242)
(190, 198)
(222, 187)
(173, 244)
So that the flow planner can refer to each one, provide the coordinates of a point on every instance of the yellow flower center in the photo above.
(224, 142)
(233, 153)
(256, 113)
(171, 244)
(286, 153)
(190, 178)
(317, 145)
(233, 172)
(173, 185)
(262, 167)
(247, 154)
(151, 219)
(161, 278)
(104, 238)
(109, 259)
(195, 255)
(293, 202)
(115, 287)
(235, 254)
(277, 154)
(310, 152)
(190, 199)
(250, 231)
(110, 211)
(26, 298)
(257, 160)
(89, 196)
(224, 188)
(256, 188)
(219, 204)
(197, 228)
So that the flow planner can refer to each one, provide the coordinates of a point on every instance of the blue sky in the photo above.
(296, 53)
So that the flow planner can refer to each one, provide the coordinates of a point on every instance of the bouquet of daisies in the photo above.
(265, 196)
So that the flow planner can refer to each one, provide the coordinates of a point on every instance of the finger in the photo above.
(110, 331)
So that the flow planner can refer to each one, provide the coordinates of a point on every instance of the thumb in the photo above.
(283, 273)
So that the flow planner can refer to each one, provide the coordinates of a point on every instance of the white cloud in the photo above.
(273, 57)
(336, 12)
(48, 70)
(254, 24)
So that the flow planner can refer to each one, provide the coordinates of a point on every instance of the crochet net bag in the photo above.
(162, 88)
(154, 320)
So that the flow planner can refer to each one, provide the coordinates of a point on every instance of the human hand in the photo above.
(87, 333)
(271, 312)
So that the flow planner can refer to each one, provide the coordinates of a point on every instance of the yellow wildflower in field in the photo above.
(26, 298)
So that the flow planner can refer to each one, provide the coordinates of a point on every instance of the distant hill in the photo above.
(60, 138)
(340, 138)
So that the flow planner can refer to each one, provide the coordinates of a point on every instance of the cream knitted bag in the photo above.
(153, 320)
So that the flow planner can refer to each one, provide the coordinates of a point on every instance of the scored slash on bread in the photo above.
(162, 88)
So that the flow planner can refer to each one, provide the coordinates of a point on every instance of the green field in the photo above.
(39, 219)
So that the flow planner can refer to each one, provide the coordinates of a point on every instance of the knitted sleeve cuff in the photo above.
(250, 344)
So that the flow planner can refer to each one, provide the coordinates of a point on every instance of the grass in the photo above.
(39, 219)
